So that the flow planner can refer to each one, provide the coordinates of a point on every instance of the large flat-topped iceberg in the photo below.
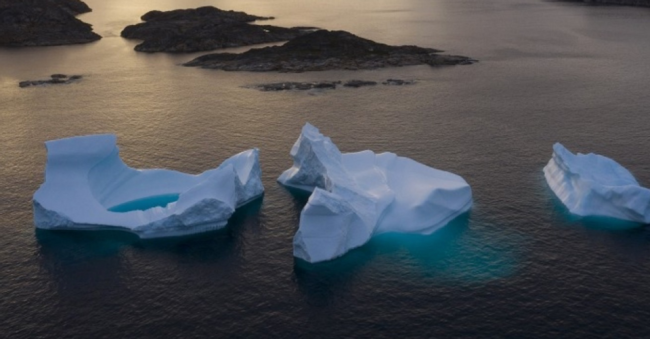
(88, 187)
(358, 195)
(594, 185)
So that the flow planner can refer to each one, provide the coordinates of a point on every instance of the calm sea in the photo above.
(517, 266)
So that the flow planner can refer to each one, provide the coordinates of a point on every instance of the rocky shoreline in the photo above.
(638, 3)
(204, 29)
(53, 22)
(25, 23)
(327, 50)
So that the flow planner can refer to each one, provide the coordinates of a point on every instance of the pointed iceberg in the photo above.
(362, 194)
(88, 187)
(594, 185)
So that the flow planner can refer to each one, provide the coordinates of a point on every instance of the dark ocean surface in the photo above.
(517, 266)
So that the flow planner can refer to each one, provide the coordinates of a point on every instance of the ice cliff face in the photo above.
(358, 195)
(594, 185)
(88, 186)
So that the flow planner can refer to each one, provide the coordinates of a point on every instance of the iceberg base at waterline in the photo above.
(591, 185)
(358, 195)
(88, 187)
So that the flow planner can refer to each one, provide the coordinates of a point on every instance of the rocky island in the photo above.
(204, 29)
(317, 85)
(327, 50)
(43, 23)
(55, 79)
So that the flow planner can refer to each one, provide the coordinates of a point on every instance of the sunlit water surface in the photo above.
(518, 265)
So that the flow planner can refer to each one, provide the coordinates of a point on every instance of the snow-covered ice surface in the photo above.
(88, 187)
(594, 185)
(358, 195)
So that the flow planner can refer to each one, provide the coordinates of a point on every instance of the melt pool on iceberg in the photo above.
(594, 185)
(358, 195)
(88, 187)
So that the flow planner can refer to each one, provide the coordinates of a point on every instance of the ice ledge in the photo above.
(85, 179)
(359, 195)
(594, 185)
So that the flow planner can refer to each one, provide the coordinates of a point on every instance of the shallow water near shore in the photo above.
(517, 265)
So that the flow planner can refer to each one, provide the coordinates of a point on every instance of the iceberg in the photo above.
(355, 196)
(594, 185)
(88, 187)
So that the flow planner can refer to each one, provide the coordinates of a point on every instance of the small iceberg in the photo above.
(362, 194)
(88, 187)
(594, 185)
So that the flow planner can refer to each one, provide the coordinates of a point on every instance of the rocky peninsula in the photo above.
(43, 23)
(204, 29)
(327, 50)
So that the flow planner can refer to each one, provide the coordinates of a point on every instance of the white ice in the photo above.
(85, 181)
(594, 185)
(362, 194)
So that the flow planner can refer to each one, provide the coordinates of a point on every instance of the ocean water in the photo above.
(518, 265)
